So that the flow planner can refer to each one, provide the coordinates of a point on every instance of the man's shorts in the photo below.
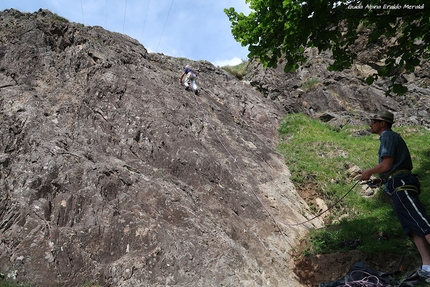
(408, 207)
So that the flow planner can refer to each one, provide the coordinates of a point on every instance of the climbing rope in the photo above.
(125, 11)
(329, 208)
(144, 19)
(82, 10)
(275, 219)
(368, 280)
(162, 32)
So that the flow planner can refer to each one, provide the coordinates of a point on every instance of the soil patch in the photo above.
(321, 268)
(315, 269)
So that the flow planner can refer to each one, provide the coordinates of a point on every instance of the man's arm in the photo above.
(385, 165)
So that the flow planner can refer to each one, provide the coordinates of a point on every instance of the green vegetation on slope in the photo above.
(239, 71)
(319, 156)
(11, 283)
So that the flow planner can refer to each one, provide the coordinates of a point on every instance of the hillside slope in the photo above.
(315, 91)
(113, 174)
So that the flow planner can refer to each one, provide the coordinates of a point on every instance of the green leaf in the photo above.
(399, 89)
(283, 28)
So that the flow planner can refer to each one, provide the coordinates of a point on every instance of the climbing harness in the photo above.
(190, 81)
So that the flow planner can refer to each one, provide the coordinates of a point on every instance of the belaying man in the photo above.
(394, 168)
(190, 78)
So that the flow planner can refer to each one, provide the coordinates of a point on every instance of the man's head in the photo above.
(385, 116)
(381, 121)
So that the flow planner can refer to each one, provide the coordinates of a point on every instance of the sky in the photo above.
(192, 29)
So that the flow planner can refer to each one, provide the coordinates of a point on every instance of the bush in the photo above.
(239, 71)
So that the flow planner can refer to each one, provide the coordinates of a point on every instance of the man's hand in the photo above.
(365, 175)
(375, 183)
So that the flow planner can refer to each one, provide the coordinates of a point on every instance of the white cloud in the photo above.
(233, 62)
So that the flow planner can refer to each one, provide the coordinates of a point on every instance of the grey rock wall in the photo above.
(315, 91)
(112, 174)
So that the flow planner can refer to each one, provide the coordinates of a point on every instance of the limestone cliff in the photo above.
(113, 174)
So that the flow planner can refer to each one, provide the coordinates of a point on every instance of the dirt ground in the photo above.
(322, 268)
(313, 270)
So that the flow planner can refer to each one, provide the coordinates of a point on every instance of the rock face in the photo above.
(345, 96)
(112, 174)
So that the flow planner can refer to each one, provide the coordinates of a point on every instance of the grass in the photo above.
(239, 71)
(310, 84)
(319, 155)
(60, 18)
(11, 283)
(4, 282)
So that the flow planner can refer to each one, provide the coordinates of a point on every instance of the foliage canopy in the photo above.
(276, 29)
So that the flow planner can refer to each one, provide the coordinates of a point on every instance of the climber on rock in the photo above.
(190, 79)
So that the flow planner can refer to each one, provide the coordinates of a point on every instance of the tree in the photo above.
(283, 29)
